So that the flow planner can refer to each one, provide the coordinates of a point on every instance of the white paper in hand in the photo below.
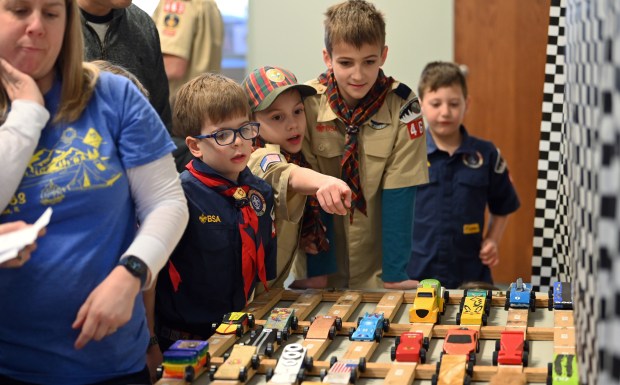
(11, 243)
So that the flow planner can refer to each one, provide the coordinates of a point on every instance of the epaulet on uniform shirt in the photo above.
(403, 91)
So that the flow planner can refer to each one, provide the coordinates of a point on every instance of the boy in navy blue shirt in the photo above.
(466, 174)
(230, 242)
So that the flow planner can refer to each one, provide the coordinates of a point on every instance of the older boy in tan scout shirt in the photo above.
(191, 34)
(367, 129)
(275, 98)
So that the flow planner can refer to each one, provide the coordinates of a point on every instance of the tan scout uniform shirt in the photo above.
(194, 31)
(389, 159)
(268, 163)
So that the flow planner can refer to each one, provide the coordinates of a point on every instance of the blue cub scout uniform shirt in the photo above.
(449, 212)
(208, 257)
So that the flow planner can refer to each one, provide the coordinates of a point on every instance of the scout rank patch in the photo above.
(268, 160)
(411, 115)
(473, 159)
(257, 202)
(500, 164)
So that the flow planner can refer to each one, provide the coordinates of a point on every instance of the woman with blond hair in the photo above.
(74, 313)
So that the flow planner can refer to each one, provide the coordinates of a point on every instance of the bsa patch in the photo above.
(377, 125)
(500, 165)
(171, 20)
(473, 159)
(257, 202)
(268, 160)
(471, 228)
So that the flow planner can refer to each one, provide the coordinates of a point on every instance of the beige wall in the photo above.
(289, 33)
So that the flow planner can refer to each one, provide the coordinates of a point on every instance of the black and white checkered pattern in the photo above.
(550, 228)
(578, 184)
(608, 198)
(585, 26)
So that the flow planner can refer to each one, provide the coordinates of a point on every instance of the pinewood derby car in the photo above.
(520, 295)
(370, 327)
(236, 364)
(235, 323)
(429, 303)
(462, 341)
(410, 347)
(343, 372)
(185, 359)
(563, 371)
(511, 349)
(291, 366)
(264, 339)
(560, 296)
(283, 320)
(323, 327)
(473, 311)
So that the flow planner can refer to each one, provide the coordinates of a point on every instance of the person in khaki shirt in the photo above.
(366, 128)
(275, 98)
(191, 34)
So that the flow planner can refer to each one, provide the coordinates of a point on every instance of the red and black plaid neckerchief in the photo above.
(312, 226)
(353, 120)
(253, 252)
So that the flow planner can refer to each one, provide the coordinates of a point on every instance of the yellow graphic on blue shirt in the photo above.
(72, 164)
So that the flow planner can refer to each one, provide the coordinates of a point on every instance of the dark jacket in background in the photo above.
(132, 41)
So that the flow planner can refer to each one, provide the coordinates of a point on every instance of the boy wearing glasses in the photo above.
(276, 101)
(229, 244)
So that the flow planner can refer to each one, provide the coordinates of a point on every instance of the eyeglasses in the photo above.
(226, 136)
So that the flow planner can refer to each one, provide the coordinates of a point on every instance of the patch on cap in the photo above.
(275, 75)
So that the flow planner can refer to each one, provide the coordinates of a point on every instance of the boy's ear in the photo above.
(192, 144)
(384, 53)
(467, 103)
(327, 59)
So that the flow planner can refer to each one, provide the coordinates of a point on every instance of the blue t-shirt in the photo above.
(78, 169)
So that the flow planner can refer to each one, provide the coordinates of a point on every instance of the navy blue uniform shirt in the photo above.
(449, 211)
(208, 256)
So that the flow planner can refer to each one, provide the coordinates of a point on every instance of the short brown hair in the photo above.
(209, 96)
(105, 65)
(440, 74)
(354, 22)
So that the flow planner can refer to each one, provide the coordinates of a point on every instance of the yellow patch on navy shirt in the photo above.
(471, 228)
(209, 219)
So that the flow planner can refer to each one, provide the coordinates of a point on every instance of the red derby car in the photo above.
(410, 347)
(511, 349)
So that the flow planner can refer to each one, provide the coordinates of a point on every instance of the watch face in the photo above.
(136, 267)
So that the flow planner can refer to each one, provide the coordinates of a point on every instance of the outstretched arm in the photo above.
(333, 194)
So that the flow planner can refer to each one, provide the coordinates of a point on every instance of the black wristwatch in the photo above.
(136, 267)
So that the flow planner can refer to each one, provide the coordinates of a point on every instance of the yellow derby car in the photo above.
(472, 311)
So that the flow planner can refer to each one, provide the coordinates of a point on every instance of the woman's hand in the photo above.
(24, 254)
(108, 307)
(18, 85)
